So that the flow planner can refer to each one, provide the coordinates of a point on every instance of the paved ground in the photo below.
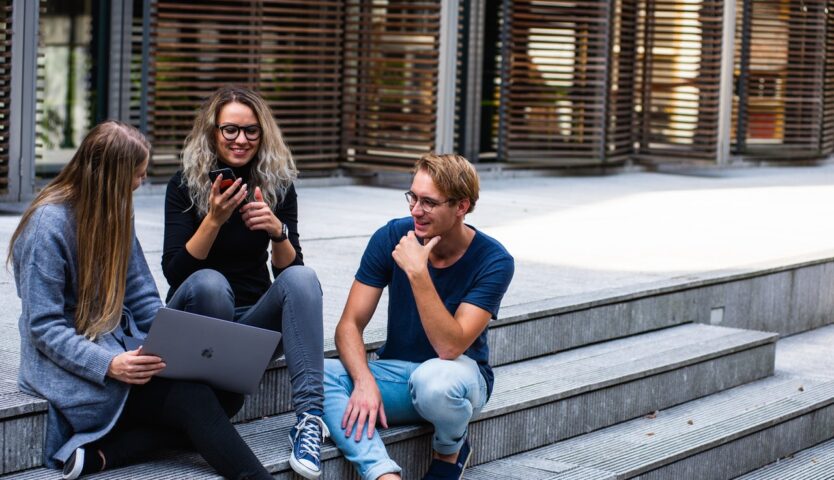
(571, 236)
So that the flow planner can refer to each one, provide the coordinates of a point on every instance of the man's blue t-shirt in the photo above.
(480, 277)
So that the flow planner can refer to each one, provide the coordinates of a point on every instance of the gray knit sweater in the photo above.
(57, 363)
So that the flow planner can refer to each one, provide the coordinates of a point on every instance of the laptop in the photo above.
(226, 355)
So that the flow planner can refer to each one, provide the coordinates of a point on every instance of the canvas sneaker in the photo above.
(306, 438)
(440, 470)
(74, 465)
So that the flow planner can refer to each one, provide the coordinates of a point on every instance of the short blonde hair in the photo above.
(453, 175)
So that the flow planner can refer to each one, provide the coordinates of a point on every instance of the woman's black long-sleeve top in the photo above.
(238, 253)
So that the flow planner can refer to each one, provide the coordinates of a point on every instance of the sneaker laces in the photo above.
(312, 431)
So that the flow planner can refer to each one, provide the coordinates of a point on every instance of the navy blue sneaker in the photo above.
(306, 438)
(440, 470)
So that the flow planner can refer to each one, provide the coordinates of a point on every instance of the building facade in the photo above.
(372, 84)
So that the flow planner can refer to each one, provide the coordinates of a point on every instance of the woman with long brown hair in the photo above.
(85, 286)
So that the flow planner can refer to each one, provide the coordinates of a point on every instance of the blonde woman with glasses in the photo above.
(230, 206)
(85, 286)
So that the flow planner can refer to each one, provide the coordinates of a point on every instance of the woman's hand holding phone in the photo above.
(223, 202)
(134, 367)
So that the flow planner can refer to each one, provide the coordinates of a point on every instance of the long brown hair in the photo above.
(273, 169)
(96, 184)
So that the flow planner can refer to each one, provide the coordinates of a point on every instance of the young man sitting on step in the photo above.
(445, 282)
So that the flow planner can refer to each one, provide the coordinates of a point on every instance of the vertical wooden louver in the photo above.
(621, 80)
(390, 81)
(780, 94)
(827, 141)
(287, 50)
(679, 69)
(555, 100)
(5, 90)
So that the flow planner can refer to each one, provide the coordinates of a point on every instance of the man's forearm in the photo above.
(443, 331)
(352, 353)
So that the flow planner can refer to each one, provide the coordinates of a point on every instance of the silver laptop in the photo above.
(223, 354)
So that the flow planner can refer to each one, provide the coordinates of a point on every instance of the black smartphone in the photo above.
(228, 177)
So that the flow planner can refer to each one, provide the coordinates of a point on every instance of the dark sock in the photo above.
(92, 461)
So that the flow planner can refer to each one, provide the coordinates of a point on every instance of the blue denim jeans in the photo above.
(445, 393)
(292, 306)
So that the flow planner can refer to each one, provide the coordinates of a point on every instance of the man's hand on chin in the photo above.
(411, 256)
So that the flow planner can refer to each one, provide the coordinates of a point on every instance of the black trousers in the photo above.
(178, 414)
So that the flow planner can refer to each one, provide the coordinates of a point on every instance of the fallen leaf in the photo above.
(652, 415)
(691, 422)
(650, 434)
(801, 388)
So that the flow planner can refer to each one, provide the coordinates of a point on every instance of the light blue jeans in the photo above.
(445, 393)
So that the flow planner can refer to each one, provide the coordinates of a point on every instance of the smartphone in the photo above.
(228, 177)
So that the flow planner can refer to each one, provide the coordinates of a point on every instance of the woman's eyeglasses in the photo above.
(230, 131)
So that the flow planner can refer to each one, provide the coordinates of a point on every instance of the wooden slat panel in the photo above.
(289, 51)
(5, 90)
(390, 89)
(827, 143)
(783, 105)
(678, 76)
(555, 102)
(621, 93)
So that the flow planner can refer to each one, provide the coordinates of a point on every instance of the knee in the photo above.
(301, 280)
(211, 294)
(208, 282)
(434, 383)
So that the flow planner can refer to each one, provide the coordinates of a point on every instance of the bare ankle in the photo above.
(390, 476)
(451, 458)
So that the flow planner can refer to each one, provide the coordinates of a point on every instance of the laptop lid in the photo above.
(226, 355)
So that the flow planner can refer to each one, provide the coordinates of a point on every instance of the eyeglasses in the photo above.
(427, 204)
(231, 131)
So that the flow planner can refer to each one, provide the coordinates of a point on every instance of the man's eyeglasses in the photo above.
(427, 204)
(231, 131)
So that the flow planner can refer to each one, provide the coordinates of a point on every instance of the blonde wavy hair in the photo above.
(274, 169)
(97, 184)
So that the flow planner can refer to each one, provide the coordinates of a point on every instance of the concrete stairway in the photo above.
(719, 436)
(816, 463)
(536, 401)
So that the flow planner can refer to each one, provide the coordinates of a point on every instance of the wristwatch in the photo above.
(285, 232)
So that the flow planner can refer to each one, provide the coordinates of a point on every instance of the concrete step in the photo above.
(815, 463)
(515, 337)
(538, 401)
(720, 436)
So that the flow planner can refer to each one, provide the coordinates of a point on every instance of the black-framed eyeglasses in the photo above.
(231, 131)
(427, 204)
